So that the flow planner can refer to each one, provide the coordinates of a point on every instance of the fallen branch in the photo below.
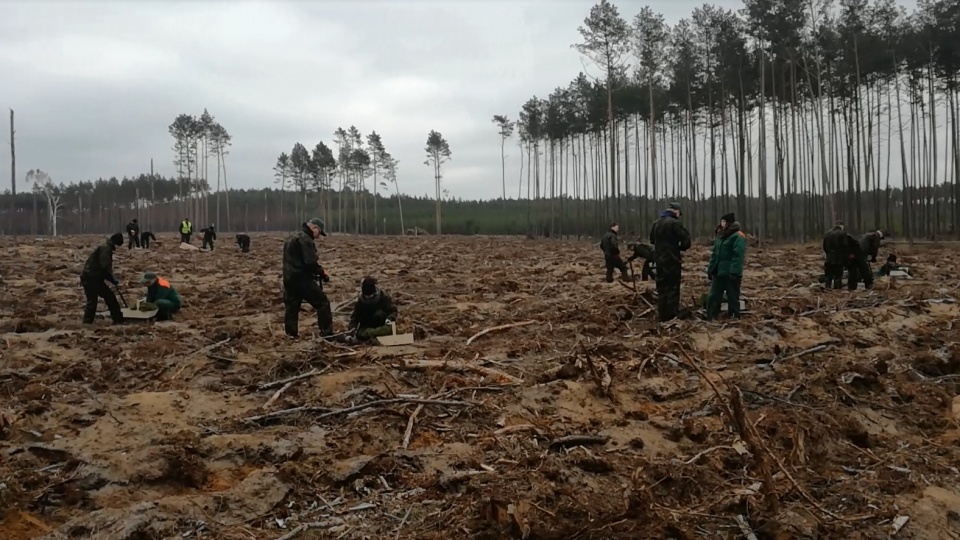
(752, 439)
(707, 451)
(745, 528)
(497, 328)
(315, 525)
(811, 350)
(274, 384)
(336, 412)
(578, 440)
(276, 395)
(458, 367)
(449, 479)
(409, 432)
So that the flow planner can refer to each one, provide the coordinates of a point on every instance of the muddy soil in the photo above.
(821, 414)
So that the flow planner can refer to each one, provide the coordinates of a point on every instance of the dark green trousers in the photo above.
(720, 285)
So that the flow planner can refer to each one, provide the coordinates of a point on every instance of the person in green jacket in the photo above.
(161, 294)
(725, 269)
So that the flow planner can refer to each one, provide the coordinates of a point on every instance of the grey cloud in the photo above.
(95, 85)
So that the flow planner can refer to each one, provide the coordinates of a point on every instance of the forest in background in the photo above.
(792, 114)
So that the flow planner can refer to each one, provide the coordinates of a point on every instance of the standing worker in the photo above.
(186, 229)
(610, 245)
(725, 268)
(97, 270)
(145, 238)
(836, 255)
(133, 232)
(669, 237)
(302, 277)
(209, 235)
(161, 294)
(243, 241)
(858, 267)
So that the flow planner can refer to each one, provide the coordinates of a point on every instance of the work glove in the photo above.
(113, 281)
(388, 322)
(325, 277)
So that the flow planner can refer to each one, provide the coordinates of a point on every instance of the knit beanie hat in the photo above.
(117, 239)
(368, 286)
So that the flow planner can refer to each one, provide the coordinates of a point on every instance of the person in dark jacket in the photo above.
(373, 312)
(610, 245)
(870, 244)
(145, 238)
(133, 232)
(725, 268)
(669, 237)
(836, 254)
(96, 271)
(645, 252)
(209, 235)
(243, 241)
(302, 278)
(161, 294)
(858, 267)
(186, 230)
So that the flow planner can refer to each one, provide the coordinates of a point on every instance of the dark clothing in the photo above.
(858, 269)
(645, 252)
(133, 233)
(209, 235)
(300, 257)
(870, 244)
(99, 265)
(836, 249)
(306, 290)
(728, 285)
(669, 237)
(145, 238)
(610, 245)
(373, 312)
(726, 270)
(165, 297)
(729, 252)
(97, 270)
(301, 272)
(244, 242)
(93, 291)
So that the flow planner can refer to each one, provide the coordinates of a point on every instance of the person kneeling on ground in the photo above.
(645, 252)
(891, 265)
(725, 269)
(145, 238)
(373, 312)
(244, 242)
(161, 294)
(610, 245)
(97, 270)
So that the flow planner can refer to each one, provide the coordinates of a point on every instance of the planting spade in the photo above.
(395, 339)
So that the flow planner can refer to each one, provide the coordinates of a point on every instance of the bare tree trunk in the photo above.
(13, 175)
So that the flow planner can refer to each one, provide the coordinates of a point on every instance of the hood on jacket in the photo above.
(731, 229)
(668, 213)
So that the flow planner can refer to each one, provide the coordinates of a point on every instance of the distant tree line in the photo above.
(105, 206)
(809, 106)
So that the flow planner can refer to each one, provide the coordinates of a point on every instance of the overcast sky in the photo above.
(96, 84)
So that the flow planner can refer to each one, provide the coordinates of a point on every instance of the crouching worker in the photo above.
(145, 238)
(373, 313)
(96, 272)
(161, 294)
(645, 252)
(244, 242)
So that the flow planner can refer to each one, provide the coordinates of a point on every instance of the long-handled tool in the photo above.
(120, 294)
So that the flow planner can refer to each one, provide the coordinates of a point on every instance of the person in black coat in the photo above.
(96, 273)
(209, 235)
(243, 241)
(669, 238)
(373, 310)
(870, 244)
(133, 232)
(145, 238)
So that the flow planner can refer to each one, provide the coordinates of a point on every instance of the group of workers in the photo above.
(669, 238)
(303, 278)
